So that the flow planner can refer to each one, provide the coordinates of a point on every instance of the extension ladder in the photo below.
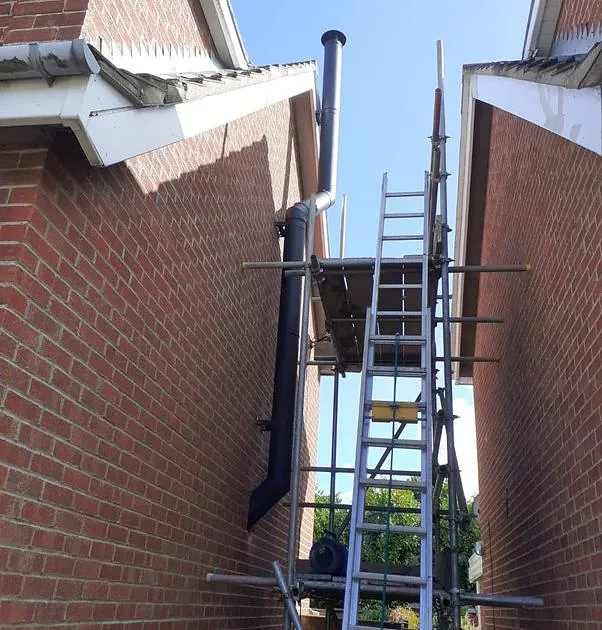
(396, 412)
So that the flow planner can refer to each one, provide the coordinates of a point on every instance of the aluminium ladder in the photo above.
(371, 411)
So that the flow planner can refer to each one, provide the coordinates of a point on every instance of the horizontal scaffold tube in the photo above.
(475, 599)
(502, 601)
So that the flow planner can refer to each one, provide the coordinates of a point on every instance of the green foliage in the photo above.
(468, 535)
(321, 517)
(403, 613)
(402, 549)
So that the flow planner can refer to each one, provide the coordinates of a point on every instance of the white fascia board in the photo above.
(119, 135)
(111, 130)
(541, 28)
(224, 32)
(68, 102)
(576, 115)
(463, 192)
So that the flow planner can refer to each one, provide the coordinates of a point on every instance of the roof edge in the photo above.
(541, 28)
(462, 203)
(570, 71)
(225, 33)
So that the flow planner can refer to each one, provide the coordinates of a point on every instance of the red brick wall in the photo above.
(539, 411)
(166, 22)
(579, 13)
(40, 20)
(135, 359)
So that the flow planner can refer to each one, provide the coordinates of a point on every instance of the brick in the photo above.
(16, 612)
(38, 513)
(13, 298)
(15, 534)
(47, 396)
(38, 587)
(23, 483)
(59, 565)
(55, 354)
(69, 590)
(34, 439)
(33, 363)
(19, 329)
(14, 454)
(47, 466)
(48, 612)
(22, 407)
(58, 495)
(37, 7)
(10, 584)
(56, 425)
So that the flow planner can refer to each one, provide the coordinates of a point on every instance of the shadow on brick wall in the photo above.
(172, 352)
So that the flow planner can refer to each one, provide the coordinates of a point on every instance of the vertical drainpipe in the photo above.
(278, 480)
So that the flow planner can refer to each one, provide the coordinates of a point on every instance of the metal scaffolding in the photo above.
(343, 287)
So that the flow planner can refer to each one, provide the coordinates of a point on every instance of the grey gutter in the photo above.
(51, 60)
(47, 60)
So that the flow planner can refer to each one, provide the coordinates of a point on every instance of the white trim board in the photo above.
(541, 28)
(575, 115)
(543, 40)
(110, 129)
(224, 32)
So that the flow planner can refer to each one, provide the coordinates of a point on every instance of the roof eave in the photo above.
(111, 129)
(225, 33)
(463, 197)
(543, 19)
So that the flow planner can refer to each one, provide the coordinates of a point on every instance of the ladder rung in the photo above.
(400, 286)
(396, 484)
(402, 340)
(410, 193)
(398, 314)
(385, 370)
(393, 529)
(387, 443)
(391, 578)
(402, 237)
(404, 215)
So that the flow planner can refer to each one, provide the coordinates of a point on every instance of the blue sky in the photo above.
(389, 75)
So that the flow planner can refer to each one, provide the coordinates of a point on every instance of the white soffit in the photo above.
(573, 114)
(110, 129)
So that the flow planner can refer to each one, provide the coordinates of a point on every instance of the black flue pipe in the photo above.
(278, 480)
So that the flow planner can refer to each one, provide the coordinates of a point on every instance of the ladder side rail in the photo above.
(352, 587)
(426, 497)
